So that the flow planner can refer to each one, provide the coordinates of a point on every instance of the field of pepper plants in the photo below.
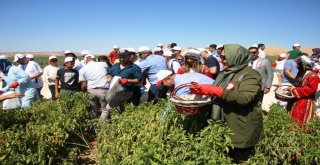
(57, 132)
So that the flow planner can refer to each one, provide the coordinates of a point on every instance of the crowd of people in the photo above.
(236, 77)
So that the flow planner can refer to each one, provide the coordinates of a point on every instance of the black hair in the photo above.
(214, 46)
(301, 71)
(260, 45)
(173, 45)
(70, 55)
(254, 48)
(125, 53)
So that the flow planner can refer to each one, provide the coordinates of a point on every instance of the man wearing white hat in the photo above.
(113, 55)
(295, 51)
(158, 51)
(50, 74)
(77, 64)
(18, 80)
(280, 66)
(83, 54)
(150, 66)
(93, 78)
(261, 48)
(32, 68)
(171, 80)
(211, 62)
(176, 60)
(30, 57)
(67, 78)
(160, 45)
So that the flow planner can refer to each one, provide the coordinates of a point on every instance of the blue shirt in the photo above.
(132, 71)
(17, 74)
(152, 65)
(290, 65)
(188, 78)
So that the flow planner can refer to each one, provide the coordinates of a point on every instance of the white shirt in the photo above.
(32, 68)
(280, 64)
(50, 71)
(77, 65)
(262, 54)
(219, 60)
(174, 65)
(95, 73)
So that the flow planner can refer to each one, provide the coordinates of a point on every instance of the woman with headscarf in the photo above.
(192, 64)
(305, 86)
(235, 94)
(315, 53)
(18, 80)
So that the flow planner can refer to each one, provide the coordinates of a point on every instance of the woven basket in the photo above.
(282, 94)
(189, 107)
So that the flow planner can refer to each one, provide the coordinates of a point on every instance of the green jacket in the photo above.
(242, 109)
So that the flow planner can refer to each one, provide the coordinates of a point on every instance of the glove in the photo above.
(206, 89)
(14, 85)
(123, 81)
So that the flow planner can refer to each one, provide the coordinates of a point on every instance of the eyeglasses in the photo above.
(253, 52)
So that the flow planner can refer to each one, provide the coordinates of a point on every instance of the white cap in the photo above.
(162, 74)
(296, 45)
(204, 50)
(84, 52)
(68, 59)
(283, 55)
(3, 57)
(176, 48)
(157, 49)
(89, 56)
(130, 50)
(192, 51)
(116, 47)
(167, 53)
(254, 46)
(52, 57)
(160, 44)
(67, 51)
(143, 48)
(17, 57)
(30, 56)
(219, 46)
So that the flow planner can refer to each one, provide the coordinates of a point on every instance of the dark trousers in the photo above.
(52, 91)
(135, 99)
(241, 154)
(156, 92)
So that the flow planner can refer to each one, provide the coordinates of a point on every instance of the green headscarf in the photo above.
(237, 58)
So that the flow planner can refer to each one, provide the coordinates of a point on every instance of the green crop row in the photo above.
(47, 133)
(54, 132)
(144, 136)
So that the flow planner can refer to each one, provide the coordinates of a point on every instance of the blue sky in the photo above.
(97, 25)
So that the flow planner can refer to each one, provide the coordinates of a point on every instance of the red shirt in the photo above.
(113, 56)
